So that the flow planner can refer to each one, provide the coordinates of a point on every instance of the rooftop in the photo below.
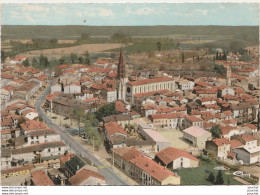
(196, 131)
(170, 154)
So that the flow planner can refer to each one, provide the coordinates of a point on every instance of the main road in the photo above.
(111, 177)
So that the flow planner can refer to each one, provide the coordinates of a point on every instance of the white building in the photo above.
(72, 88)
(56, 88)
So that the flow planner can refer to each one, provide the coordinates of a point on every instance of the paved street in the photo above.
(111, 177)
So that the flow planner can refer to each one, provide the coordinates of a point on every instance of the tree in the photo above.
(219, 179)
(106, 110)
(73, 57)
(34, 62)
(216, 131)
(211, 177)
(3, 56)
(26, 62)
(217, 58)
(79, 114)
(87, 61)
(80, 59)
(159, 46)
(182, 57)
(62, 60)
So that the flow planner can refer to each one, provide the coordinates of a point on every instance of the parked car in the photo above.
(54, 117)
(66, 118)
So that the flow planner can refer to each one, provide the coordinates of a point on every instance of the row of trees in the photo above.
(74, 58)
(91, 121)
(216, 180)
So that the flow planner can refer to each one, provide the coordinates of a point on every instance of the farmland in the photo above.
(79, 50)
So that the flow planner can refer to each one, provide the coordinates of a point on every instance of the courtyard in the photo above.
(174, 136)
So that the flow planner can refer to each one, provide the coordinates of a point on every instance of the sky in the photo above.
(131, 14)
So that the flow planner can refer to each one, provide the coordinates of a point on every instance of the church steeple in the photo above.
(121, 67)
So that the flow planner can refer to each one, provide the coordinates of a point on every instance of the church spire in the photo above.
(121, 67)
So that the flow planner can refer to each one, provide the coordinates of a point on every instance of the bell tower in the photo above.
(121, 77)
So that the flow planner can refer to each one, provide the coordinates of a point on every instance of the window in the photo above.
(49, 150)
(45, 136)
(59, 149)
(31, 137)
(37, 137)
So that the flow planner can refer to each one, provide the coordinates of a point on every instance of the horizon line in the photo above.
(125, 26)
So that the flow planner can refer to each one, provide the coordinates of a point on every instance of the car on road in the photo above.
(66, 118)
(54, 117)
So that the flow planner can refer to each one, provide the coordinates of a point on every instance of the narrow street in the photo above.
(111, 177)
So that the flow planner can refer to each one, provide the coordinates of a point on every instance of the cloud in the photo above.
(201, 11)
(221, 7)
(105, 12)
(147, 11)
(34, 8)
(29, 18)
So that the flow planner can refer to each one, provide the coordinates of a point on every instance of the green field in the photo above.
(198, 176)
(247, 33)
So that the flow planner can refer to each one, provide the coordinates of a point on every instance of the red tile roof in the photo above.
(40, 178)
(67, 157)
(196, 131)
(152, 168)
(193, 118)
(221, 142)
(151, 93)
(51, 97)
(247, 137)
(235, 143)
(168, 116)
(83, 175)
(16, 169)
(149, 81)
(113, 128)
(225, 130)
(170, 154)
(120, 107)
(33, 125)
(228, 113)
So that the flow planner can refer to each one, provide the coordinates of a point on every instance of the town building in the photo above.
(196, 136)
(174, 158)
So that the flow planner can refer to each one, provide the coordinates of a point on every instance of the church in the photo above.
(126, 90)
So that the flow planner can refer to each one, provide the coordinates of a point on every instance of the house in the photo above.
(115, 134)
(196, 136)
(86, 177)
(40, 178)
(30, 153)
(30, 114)
(56, 88)
(245, 112)
(224, 90)
(142, 169)
(219, 147)
(27, 90)
(144, 146)
(185, 85)
(121, 108)
(73, 88)
(160, 141)
(167, 121)
(122, 120)
(109, 94)
(248, 154)
(174, 158)
(148, 110)
(192, 121)
(71, 164)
